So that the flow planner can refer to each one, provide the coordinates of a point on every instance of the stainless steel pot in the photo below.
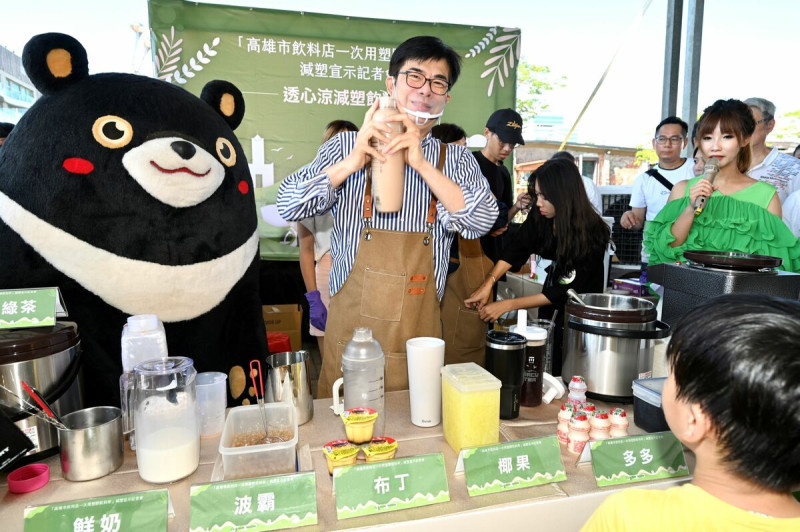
(49, 359)
(609, 341)
(289, 379)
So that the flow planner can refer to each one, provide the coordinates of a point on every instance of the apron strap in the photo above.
(440, 166)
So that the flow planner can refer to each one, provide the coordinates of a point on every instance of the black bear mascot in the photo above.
(133, 196)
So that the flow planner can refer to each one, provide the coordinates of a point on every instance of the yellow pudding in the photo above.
(339, 453)
(358, 424)
(380, 448)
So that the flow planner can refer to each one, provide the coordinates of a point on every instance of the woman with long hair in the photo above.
(740, 214)
(563, 227)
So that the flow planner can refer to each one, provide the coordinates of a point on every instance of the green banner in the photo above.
(298, 71)
(143, 510)
(513, 465)
(266, 503)
(28, 308)
(638, 459)
(391, 485)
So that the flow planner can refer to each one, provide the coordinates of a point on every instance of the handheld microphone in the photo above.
(710, 171)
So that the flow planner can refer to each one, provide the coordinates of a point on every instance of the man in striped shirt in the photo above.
(389, 269)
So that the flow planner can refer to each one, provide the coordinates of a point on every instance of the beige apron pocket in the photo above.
(470, 330)
(396, 372)
(382, 295)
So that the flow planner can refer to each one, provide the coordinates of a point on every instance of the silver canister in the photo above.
(48, 359)
(91, 447)
(609, 340)
(289, 379)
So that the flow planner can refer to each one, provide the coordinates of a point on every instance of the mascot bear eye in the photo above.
(112, 131)
(226, 152)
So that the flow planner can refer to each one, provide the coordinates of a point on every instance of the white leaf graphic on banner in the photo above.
(169, 51)
(502, 58)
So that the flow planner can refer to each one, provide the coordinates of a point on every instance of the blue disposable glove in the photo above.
(318, 314)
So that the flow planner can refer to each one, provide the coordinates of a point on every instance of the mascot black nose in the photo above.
(185, 149)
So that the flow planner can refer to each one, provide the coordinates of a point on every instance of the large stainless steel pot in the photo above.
(49, 359)
(609, 341)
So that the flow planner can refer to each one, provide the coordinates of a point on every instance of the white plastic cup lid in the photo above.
(530, 332)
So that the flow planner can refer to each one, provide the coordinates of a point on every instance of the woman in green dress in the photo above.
(740, 213)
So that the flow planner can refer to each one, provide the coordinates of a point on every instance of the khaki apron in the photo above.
(463, 330)
(392, 290)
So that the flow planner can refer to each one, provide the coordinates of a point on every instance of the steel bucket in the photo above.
(289, 379)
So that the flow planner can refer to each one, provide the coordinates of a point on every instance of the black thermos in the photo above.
(505, 359)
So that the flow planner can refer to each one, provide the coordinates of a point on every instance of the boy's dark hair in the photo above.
(5, 128)
(448, 133)
(424, 48)
(567, 156)
(738, 357)
(673, 120)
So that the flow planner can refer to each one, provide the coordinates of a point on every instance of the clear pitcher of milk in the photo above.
(143, 339)
(165, 417)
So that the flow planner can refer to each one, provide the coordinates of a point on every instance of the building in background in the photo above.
(605, 165)
(17, 93)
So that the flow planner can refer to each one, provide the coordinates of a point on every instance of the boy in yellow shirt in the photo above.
(733, 398)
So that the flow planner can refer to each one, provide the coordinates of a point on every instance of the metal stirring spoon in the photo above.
(255, 369)
(574, 295)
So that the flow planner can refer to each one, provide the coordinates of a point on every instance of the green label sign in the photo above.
(35, 307)
(391, 485)
(513, 465)
(266, 503)
(637, 459)
(144, 510)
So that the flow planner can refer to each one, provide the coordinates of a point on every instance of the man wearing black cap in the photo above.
(503, 133)
(463, 331)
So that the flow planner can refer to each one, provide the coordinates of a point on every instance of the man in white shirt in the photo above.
(780, 170)
(791, 212)
(651, 189)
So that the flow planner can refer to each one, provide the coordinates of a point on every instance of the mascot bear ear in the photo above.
(226, 100)
(54, 61)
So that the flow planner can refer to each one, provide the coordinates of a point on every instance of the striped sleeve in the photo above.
(481, 210)
(308, 191)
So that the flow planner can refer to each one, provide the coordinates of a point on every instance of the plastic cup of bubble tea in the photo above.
(211, 402)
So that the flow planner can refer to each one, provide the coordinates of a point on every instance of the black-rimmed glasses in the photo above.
(672, 140)
(416, 80)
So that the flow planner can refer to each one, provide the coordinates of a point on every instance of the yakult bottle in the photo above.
(578, 432)
(562, 430)
(619, 423)
(577, 392)
(600, 425)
